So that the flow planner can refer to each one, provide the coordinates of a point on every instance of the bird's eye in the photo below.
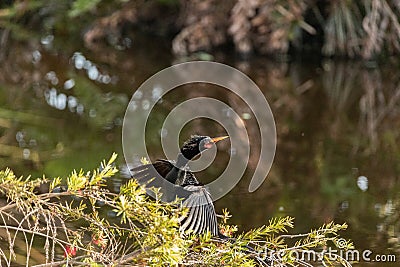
(207, 143)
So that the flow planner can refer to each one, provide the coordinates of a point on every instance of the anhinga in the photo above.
(201, 217)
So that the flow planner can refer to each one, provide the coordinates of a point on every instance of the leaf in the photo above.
(54, 183)
(81, 6)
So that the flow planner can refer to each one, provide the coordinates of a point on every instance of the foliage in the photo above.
(268, 26)
(364, 29)
(81, 6)
(66, 225)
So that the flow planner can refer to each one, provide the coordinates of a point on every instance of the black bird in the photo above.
(201, 217)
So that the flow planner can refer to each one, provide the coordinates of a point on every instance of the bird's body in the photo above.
(201, 217)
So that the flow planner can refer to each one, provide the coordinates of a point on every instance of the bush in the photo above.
(83, 223)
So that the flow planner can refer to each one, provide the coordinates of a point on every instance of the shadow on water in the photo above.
(338, 149)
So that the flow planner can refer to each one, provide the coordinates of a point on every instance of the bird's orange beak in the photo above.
(217, 139)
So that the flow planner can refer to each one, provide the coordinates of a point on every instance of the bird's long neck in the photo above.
(181, 161)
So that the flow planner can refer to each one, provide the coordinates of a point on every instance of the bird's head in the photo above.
(197, 144)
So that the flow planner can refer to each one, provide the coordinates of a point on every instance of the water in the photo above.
(337, 122)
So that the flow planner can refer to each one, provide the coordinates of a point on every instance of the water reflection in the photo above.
(337, 122)
(92, 71)
(362, 183)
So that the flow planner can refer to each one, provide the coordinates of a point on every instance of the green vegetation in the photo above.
(67, 225)
(358, 29)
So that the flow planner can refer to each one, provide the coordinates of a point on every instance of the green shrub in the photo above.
(83, 223)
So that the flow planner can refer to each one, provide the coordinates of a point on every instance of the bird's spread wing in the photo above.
(147, 173)
(153, 175)
(201, 217)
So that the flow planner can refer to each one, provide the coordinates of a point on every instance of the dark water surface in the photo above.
(338, 151)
